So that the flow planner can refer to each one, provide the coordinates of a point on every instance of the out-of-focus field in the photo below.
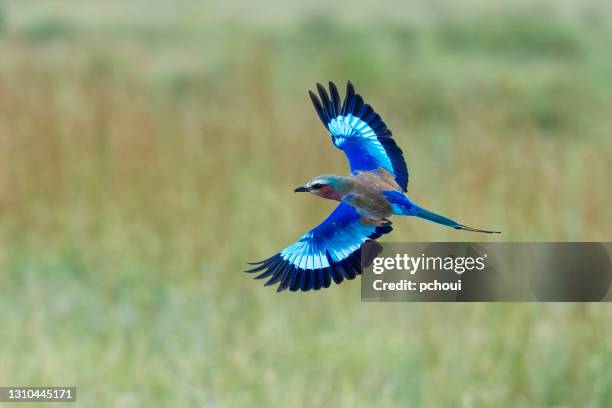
(149, 149)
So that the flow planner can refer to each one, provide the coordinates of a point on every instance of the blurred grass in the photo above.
(148, 150)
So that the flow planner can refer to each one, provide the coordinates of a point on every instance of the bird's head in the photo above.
(326, 186)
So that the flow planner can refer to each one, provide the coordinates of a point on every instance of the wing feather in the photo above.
(330, 252)
(360, 132)
(335, 97)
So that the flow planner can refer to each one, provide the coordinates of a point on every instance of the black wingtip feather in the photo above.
(287, 279)
(272, 269)
(335, 97)
(257, 268)
(318, 107)
(350, 94)
(336, 276)
(308, 280)
(278, 275)
(325, 101)
(357, 106)
(355, 260)
(263, 264)
(349, 271)
(350, 89)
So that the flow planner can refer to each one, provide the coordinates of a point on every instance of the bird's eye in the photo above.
(316, 186)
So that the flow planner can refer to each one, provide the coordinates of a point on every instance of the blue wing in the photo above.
(360, 132)
(330, 251)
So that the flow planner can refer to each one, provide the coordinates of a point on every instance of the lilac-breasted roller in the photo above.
(368, 198)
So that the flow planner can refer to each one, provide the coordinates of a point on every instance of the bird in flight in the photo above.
(368, 198)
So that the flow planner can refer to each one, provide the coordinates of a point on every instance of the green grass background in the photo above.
(148, 149)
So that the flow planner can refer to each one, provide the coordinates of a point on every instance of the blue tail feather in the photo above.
(403, 206)
(400, 203)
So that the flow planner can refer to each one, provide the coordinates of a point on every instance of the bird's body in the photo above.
(364, 191)
(368, 198)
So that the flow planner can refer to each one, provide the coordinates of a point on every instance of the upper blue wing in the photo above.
(360, 132)
(330, 251)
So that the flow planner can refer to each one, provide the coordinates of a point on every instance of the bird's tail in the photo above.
(440, 219)
(403, 206)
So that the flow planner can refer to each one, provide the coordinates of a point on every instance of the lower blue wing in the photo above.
(360, 132)
(329, 252)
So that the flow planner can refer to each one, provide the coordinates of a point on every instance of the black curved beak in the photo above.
(301, 189)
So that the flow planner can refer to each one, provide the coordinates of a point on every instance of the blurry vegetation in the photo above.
(48, 29)
(518, 36)
(147, 151)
